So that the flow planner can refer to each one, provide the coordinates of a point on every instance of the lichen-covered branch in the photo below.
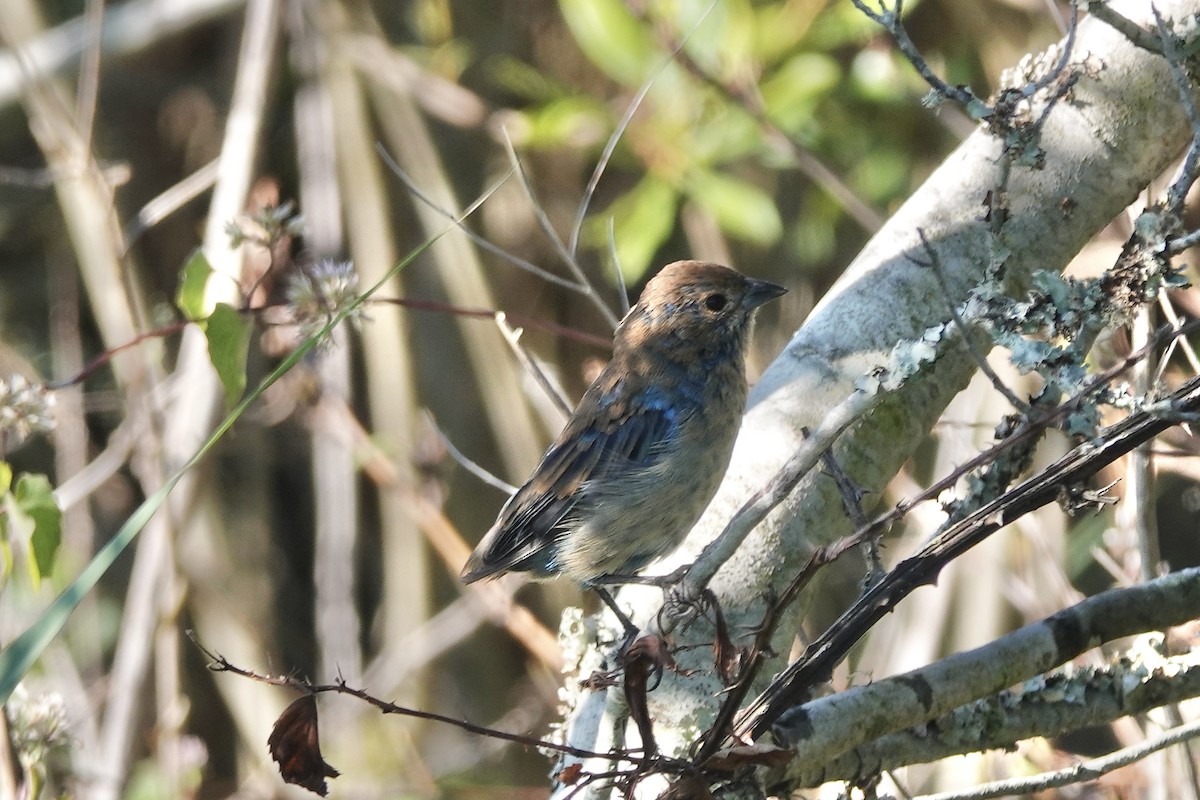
(874, 727)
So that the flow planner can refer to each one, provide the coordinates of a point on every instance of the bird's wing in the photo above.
(611, 442)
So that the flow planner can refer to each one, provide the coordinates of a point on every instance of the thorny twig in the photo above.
(714, 738)
(218, 663)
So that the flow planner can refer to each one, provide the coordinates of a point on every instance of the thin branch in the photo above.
(755, 509)
(852, 495)
(218, 663)
(480, 241)
(102, 359)
(1137, 35)
(1080, 773)
(439, 307)
(890, 19)
(88, 86)
(470, 466)
(1139, 511)
(171, 200)
(567, 255)
(1177, 196)
(554, 392)
(619, 274)
(760, 650)
(1189, 352)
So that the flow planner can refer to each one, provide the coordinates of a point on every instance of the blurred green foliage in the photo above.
(732, 90)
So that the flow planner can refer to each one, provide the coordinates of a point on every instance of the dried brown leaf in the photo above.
(296, 747)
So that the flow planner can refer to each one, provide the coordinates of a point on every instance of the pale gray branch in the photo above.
(921, 716)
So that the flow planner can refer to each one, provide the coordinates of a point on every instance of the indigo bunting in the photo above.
(647, 446)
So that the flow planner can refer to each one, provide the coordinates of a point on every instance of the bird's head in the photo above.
(688, 300)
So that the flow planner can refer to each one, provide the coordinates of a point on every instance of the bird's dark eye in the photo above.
(715, 301)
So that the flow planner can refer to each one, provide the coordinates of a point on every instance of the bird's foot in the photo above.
(631, 630)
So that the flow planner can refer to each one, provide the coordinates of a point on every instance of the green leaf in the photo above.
(722, 37)
(192, 280)
(791, 94)
(611, 37)
(35, 498)
(5, 478)
(741, 209)
(642, 220)
(228, 334)
(813, 235)
(572, 121)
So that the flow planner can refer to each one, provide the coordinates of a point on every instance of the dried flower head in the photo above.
(318, 292)
(26, 409)
(38, 723)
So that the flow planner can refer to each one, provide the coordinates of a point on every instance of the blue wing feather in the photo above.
(613, 441)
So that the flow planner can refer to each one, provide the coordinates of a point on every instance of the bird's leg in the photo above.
(631, 630)
(661, 581)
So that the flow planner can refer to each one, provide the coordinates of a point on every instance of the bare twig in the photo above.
(1140, 37)
(482, 242)
(890, 19)
(1177, 195)
(754, 510)
(88, 86)
(554, 392)
(439, 307)
(170, 200)
(568, 255)
(218, 663)
(469, 465)
(1080, 773)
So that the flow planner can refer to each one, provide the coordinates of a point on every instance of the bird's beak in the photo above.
(760, 292)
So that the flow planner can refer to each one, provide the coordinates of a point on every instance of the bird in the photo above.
(648, 444)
